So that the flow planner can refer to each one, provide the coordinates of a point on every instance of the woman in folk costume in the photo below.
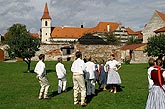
(103, 75)
(156, 97)
(97, 72)
(113, 76)
(151, 63)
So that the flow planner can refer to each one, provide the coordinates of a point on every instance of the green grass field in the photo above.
(19, 90)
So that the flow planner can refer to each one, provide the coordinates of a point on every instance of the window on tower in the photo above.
(46, 23)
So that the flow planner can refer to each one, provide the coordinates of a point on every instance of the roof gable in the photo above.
(162, 16)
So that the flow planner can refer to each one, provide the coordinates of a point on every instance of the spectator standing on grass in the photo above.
(90, 76)
(40, 70)
(113, 76)
(156, 97)
(97, 72)
(151, 63)
(103, 75)
(78, 68)
(61, 72)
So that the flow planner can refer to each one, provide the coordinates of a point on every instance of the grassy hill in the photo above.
(19, 90)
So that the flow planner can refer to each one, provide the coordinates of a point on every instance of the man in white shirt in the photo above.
(90, 76)
(61, 72)
(40, 70)
(78, 68)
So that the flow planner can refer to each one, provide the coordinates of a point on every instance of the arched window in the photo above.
(46, 23)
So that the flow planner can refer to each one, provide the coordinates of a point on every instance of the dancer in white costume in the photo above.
(113, 76)
(156, 97)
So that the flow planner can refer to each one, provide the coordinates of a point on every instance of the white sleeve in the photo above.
(163, 74)
(63, 69)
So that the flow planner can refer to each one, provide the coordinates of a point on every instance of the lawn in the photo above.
(19, 90)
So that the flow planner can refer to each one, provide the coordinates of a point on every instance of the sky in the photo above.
(130, 13)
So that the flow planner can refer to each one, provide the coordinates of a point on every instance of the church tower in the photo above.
(45, 26)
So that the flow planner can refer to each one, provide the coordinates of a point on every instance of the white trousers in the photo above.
(61, 84)
(90, 86)
(79, 87)
(44, 87)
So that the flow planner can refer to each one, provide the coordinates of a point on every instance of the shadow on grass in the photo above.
(55, 93)
(90, 97)
(119, 88)
(47, 71)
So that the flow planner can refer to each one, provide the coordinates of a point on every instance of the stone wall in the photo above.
(52, 52)
(99, 51)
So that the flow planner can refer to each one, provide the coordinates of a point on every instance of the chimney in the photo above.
(82, 26)
(108, 28)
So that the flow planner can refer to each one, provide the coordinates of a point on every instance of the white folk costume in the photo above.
(113, 75)
(156, 97)
(40, 70)
(90, 77)
(61, 72)
(78, 68)
(150, 81)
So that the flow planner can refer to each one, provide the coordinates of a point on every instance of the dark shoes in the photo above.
(84, 104)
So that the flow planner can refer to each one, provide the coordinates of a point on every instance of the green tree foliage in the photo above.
(21, 43)
(132, 40)
(90, 39)
(156, 46)
(111, 39)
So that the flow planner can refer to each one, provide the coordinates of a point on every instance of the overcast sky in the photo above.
(131, 13)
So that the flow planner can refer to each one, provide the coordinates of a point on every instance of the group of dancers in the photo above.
(85, 76)
(92, 72)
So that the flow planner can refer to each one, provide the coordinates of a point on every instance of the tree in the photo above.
(21, 43)
(156, 46)
(111, 39)
(90, 39)
(132, 40)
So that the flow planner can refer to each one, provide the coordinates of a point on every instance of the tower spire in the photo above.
(46, 13)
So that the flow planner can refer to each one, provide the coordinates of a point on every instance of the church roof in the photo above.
(46, 13)
(161, 15)
(74, 32)
(68, 32)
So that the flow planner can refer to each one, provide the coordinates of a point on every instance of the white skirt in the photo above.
(113, 77)
(156, 98)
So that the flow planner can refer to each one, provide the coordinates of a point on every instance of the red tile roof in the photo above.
(131, 47)
(160, 30)
(68, 32)
(46, 13)
(74, 32)
(140, 35)
(36, 35)
(130, 31)
(161, 15)
(102, 26)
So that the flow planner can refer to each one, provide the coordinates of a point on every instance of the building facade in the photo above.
(156, 22)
